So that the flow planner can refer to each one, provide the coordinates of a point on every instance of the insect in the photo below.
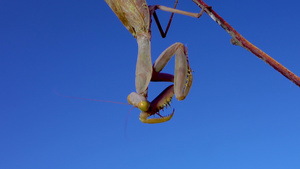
(136, 17)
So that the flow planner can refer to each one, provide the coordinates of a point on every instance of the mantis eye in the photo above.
(144, 106)
(139, 101)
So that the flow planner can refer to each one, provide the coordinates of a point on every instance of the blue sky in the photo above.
(240, 113)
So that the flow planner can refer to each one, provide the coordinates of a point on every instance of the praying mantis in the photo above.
(136, 17)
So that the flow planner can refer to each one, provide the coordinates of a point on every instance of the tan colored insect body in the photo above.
(136, 17)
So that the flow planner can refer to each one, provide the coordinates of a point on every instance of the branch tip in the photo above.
(239, 40)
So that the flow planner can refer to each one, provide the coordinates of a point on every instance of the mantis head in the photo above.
(148, 109)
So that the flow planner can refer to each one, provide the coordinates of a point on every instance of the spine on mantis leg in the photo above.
(144, 64)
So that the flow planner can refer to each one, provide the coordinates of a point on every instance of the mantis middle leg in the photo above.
(153, 9)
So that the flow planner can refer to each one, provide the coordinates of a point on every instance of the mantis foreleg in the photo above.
(182, 77)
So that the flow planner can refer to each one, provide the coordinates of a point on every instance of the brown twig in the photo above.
(238, 39)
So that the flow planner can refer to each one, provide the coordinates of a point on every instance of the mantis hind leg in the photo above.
(182, 74)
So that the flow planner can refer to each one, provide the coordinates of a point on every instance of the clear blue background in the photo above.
(240, 112)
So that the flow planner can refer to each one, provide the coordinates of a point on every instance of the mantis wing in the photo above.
(134, 14)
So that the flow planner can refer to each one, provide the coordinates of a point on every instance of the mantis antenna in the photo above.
(72, 97)
(106, 101)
